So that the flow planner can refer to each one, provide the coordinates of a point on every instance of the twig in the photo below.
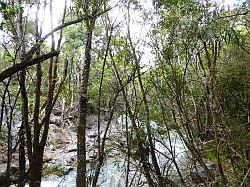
(245, 177)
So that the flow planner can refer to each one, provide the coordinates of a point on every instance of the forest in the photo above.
(124, 93)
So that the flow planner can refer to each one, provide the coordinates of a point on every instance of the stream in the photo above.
(111, 176)
(113, 172)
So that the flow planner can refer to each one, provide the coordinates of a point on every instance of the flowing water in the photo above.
(113, 171)
(111, 177)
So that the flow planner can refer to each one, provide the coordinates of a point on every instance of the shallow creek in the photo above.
(113, 171)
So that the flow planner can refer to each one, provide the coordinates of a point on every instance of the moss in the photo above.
(13, 177)
(53, 170)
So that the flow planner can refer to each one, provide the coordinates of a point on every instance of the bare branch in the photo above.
(234, 15)
(18, 67)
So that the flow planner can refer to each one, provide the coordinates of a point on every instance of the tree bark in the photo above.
(81, 128)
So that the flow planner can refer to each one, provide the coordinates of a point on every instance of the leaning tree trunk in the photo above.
(140, 142)
(157, 170)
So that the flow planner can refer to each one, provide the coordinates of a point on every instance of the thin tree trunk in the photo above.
(9, 147)
(211, 62)
(141, 149)
(128, 151)
(101, 147)
(3, 102)
(81, 128)
(40, 142)
(25, 106)
(162, 103)
(22, 159)
(196, 153)
(149, 133)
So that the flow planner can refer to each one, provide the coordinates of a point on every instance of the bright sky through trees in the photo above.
(58, 6)
(138, 27)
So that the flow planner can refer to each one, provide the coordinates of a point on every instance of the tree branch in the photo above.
(18, 67)
(234, 15)
(28, 61)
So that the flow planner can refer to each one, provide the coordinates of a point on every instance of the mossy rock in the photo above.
(53, 170)
(13, 179)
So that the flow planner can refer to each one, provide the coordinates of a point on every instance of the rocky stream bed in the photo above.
(60, 153)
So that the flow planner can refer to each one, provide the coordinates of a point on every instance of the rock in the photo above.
(69, 118)
(57, 136)
(93, 135)
(47, 158)
(71, 148)
(72, 159)
(53, 170)
(57, 120)
(68, 169)
(89, 127)
(56, 112)
(96, 146)
(52, 147)
(93, 156)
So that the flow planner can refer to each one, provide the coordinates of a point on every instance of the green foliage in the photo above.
(8, 12)
(108, 85)
(184, 94)
(185, 70)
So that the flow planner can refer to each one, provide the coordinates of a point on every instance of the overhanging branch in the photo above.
(28, 61)
(18, 67)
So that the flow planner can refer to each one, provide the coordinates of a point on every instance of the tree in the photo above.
(195, 94)
(91, 10)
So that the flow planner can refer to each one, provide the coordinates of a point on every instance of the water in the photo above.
(64, 181)
(111, 176)
(112, 173)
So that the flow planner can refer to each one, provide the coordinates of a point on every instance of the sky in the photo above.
(58, 5)
(138, 31)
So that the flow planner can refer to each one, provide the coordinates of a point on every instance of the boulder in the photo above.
(57, 120)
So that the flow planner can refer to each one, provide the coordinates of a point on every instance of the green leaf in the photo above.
(3, 5)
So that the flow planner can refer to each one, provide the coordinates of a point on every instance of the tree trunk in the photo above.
(22, 160)
(146, 112)
(36, 168)
(102, 146)
(25, 106)
(141, 150)
(81, 128)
